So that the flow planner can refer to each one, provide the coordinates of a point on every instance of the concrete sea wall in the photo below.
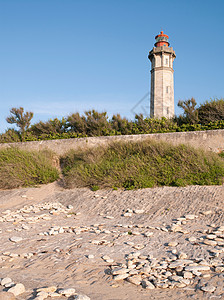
(212, 140)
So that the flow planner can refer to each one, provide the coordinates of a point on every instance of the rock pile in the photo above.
(169, 272)
(22, 215)
(16, 289)
(177, 269)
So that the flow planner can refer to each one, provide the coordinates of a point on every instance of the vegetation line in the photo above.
(19, 168)
(145, 164)
(128, 165)
(208, 116)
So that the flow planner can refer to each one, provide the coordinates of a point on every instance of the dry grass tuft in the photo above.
(133, 165)
(19, 168)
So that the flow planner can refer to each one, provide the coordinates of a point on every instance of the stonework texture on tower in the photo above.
(162, 84)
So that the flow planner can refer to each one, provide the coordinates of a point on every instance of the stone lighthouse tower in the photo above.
(162, 88)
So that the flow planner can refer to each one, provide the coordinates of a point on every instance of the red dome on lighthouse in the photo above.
(162, 40)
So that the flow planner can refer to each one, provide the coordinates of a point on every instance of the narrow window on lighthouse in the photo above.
(166, 61)
(167, 89)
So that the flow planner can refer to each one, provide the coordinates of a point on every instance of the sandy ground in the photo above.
(62, 259)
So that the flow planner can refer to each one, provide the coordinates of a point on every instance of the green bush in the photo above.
(211, 111)
(141, 165)
(94, 123)
(10, 136)
(190, 115)
(20, 168)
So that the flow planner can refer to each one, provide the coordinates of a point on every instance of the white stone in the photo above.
(162, 285)
(210, 242)
(133, 272)
(17, 289)
(172, 244)
(197, 268)
(139, 211)
(136, 279)
(127, 214)
(188, 275)
(121, 276)
(67, 292)
(147, 284)
(61, 230)
(180, 284)
(180, 263)
(211, 236)
(182, 255)
(148, 233)
(42, 295)
(207, 212)
(119, 271)
(6, 280)
(135, 232)
(138, 247)
(175, 228)
(105, 257)
(191, 217)
(208, 288)
(203, 263)
(192, 239)
(164, 229)
(8, 285)
(54, 294)
(206, 275)
(110, 261)
(15, 239)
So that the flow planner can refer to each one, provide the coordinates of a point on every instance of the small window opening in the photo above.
(167, 89)
(166, 61)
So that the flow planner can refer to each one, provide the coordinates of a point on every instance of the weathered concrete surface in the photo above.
(212, 140)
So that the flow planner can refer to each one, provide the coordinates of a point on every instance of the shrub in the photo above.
(97, 123)
(120, 125)
(10, 136)
(20, 118)
(94, 123)
(190, 115)
(77, 123)
(54, 126)
(141, 165)
(211, 111)
(20, 168)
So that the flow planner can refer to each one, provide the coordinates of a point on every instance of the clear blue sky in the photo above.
(62, 56)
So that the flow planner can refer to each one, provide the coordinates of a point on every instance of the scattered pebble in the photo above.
(16, 239)
(17, 289)
(208, 288)
(172, 244)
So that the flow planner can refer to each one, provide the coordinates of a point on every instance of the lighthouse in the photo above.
(162, 87)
